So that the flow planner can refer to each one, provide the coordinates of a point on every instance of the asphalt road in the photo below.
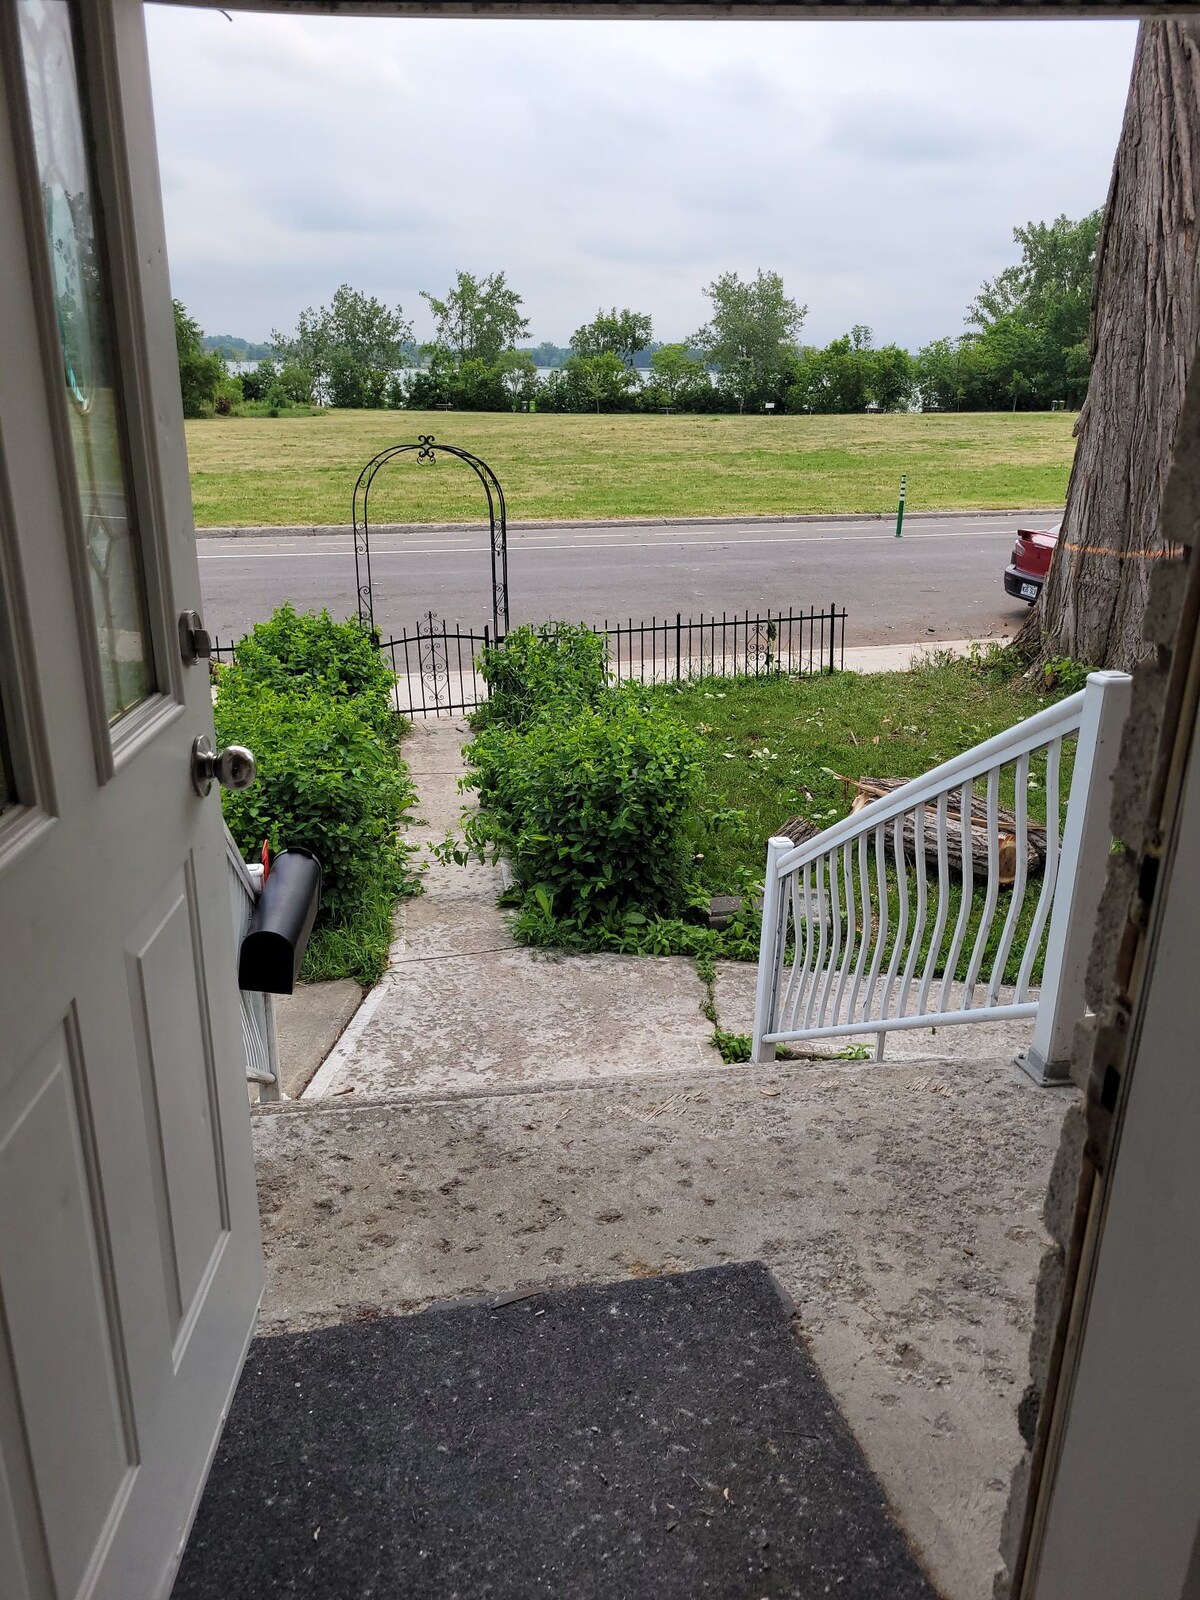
(942, 580)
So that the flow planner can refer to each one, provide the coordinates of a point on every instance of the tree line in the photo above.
(1025, 346)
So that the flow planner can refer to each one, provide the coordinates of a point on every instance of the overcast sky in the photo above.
(879, 167)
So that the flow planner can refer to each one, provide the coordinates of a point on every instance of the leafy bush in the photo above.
(313, 699)
(326, 781)
(555, 669)
(228, 395)
(259, 379)
(1064, 676)
(592, 808)
(309, 653)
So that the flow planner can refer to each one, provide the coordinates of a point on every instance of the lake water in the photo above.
(642, 374)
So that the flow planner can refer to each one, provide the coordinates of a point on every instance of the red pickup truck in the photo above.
(1026, 572)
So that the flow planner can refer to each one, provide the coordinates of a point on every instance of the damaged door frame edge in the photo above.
(1146, 802)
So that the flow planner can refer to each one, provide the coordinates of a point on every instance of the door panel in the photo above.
(130, 1264)
(56, 1270)
(179, 1093)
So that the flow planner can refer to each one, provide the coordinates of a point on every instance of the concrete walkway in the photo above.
(462, 1008)
(898, 1204)
(495, 1120)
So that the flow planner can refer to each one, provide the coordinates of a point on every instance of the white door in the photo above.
(130, 1260)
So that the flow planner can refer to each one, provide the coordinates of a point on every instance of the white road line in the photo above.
(630, 544)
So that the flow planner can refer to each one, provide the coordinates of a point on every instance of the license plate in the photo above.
(1029, 591)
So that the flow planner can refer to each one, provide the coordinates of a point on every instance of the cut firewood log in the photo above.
(799, 830)
(868, 789)
(873, 788)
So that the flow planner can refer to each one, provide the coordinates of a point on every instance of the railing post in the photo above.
(832, 636)
(770, 952)
(271, 1091)
(1087, 839)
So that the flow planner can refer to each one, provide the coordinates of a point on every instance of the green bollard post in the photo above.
(900, 508)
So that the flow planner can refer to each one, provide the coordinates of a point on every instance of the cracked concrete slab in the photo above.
(899, 1204)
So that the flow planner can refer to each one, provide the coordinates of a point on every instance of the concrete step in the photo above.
(898, 1203)
(459, 1014)
(504, 1017)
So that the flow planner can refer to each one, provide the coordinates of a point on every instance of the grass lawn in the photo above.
(284, 470)
(771, 748)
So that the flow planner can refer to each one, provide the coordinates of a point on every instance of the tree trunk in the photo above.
(1145, 323)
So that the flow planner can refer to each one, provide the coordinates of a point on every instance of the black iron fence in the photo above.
(436, 667)
(728, 646)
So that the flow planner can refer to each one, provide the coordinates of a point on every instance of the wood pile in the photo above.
(799, 830)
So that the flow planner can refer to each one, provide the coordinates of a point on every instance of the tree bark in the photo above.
(1145, 324)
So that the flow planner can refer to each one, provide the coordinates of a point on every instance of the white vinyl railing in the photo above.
(868, 926)
(258, 1010)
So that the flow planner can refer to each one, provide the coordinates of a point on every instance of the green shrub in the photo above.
(228, 395)
(327, 781)
(1063, 676)
(592, 808)
(309, 653)
(557, 668)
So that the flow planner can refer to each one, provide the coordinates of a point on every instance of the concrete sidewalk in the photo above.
(306, 530)
(462, 1008)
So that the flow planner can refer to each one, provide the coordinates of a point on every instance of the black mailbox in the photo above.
(282, 921)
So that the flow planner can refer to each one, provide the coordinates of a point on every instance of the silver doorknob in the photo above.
(233, 768)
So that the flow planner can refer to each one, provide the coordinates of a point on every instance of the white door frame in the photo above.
(1120, 1513)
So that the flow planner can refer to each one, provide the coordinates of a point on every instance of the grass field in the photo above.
(301, 470)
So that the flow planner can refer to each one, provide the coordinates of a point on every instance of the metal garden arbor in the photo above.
(427, 451)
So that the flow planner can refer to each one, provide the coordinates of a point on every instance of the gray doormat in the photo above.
(667, 1437)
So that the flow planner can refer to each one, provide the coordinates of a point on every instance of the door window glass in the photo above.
(88, 367)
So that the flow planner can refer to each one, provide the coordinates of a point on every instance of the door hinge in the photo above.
(195, 641)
